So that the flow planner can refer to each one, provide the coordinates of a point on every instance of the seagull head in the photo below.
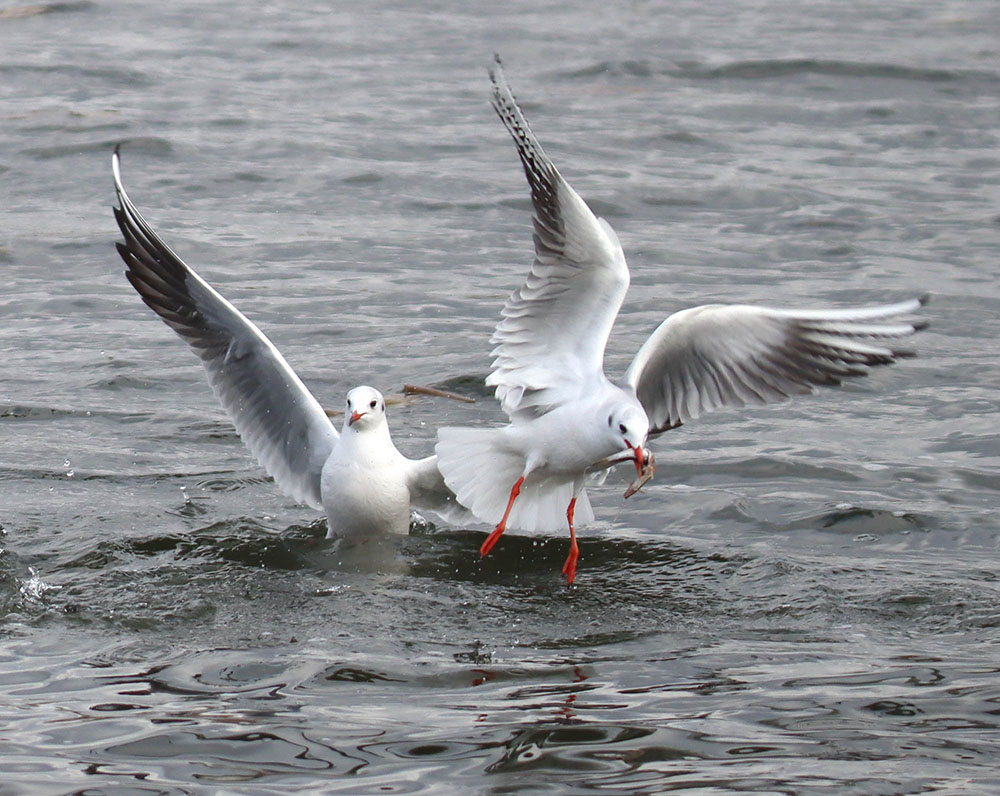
(365, 409)
(628, 427)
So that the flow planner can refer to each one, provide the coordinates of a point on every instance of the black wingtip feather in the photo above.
(542, 175)
(158, 275)
(493, 68)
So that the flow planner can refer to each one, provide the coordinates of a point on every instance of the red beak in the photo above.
(640, 457)
(355, 417)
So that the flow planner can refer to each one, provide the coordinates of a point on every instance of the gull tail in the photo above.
(481, 470)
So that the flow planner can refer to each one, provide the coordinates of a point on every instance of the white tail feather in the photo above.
(481, 472)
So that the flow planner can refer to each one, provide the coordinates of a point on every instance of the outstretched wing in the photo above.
(705, 358)
(277, 417)
(555, 326)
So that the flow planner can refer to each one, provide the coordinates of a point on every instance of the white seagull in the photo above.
(357, 477)
(567, 420)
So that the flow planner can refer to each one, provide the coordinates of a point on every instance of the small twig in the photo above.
(648, 470)
(416, 389)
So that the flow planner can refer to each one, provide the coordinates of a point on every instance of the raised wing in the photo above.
(554, 328)
(277, 417)
(705, 358)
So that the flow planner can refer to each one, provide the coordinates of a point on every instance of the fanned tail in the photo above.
(481, 471)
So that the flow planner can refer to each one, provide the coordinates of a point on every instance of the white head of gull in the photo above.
(567, 420)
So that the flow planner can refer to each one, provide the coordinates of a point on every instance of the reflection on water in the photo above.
(217, 717)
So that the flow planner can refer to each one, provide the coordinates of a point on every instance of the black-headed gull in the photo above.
(357, 477)
(567, 420)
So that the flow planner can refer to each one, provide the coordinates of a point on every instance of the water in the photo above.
(803, 601)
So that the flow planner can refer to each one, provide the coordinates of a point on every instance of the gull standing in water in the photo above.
(567, 420)
(357, 477)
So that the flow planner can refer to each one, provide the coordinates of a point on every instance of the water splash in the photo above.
(33, 588)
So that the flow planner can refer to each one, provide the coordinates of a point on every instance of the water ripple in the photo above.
(783, 68)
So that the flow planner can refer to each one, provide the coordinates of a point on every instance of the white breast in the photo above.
(364, 488)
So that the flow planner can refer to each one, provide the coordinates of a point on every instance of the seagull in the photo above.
(567, 420)
(357, 477)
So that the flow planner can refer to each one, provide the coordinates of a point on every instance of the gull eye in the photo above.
(622, 429)
(348, 403)
(373, 404)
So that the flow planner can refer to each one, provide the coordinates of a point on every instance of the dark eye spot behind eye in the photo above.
(609, 421)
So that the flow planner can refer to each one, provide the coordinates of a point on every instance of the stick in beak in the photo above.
(646, 470)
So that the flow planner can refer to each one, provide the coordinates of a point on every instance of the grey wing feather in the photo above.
(428, 491)
(277, 417)
(705, 358)
(554, 327)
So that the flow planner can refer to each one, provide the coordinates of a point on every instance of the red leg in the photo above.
(569, 568)
(494, 537)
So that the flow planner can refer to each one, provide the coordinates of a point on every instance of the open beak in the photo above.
(639, 456)
(355, 417)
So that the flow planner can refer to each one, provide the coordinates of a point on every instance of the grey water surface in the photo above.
(804, 601)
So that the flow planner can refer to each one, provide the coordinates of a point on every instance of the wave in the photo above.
(769, 69)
